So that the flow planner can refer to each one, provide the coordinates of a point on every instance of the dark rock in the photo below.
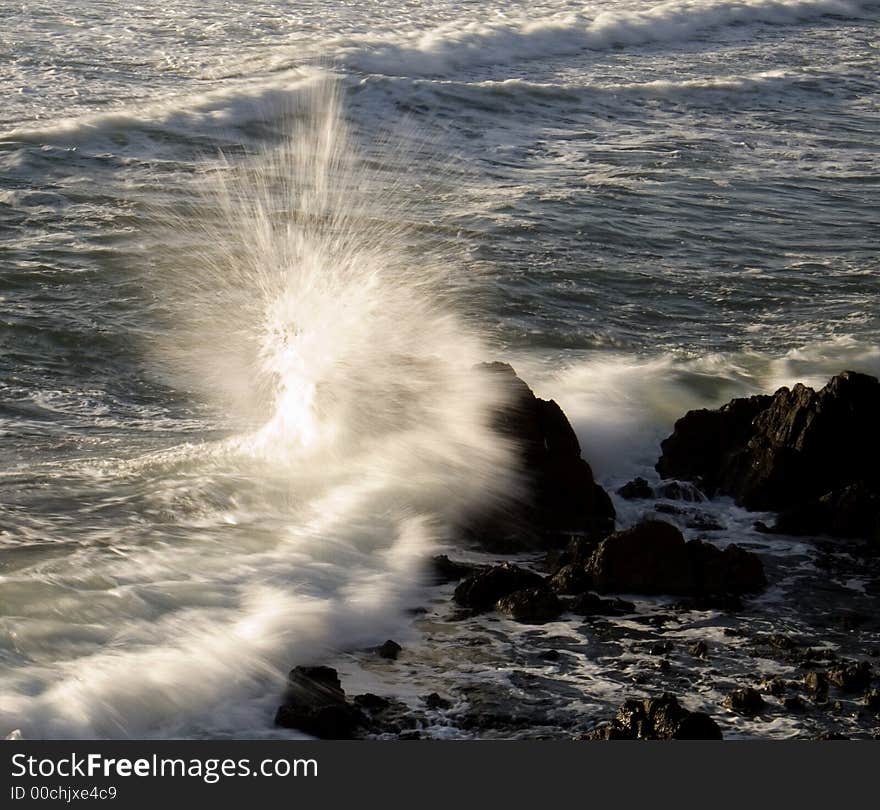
(745, 701)
(482, 590)
(531, 605)
(657, 719)
(680, 491)
(560, 493)
(371, 702)
(434, 701)
(794, 704)
(775, 686)
(653, 558)
(577, 552)
(816, 683)
(851, 676)
(703, 440)
(390, 650)
(570, 579)
(811, 454)
(315, 704)
(699, 649)
(445, 570)
(872, 700)
(732, 570)
(828, 736)
(853, 511)
(588, 604)
(649, 558)
(637, 489)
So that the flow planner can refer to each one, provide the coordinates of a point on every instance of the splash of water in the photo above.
(360, 436)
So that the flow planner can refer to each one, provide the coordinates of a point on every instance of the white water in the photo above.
(232, 437)
(364, 435)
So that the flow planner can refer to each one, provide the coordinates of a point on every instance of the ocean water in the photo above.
(251, 252)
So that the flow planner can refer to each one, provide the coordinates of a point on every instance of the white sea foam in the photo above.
(365, 437)
(490, 42)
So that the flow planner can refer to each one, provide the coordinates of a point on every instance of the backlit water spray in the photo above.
(300, 311)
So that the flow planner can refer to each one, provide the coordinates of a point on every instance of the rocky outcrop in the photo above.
(315, 704)
(560, 495)
(531, 605)
(660, 718)
(482, 590)
(810, 454)
(653, 558)
(703, 441)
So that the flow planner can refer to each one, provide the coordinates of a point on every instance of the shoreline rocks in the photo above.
(560, 494)
(810, 455)
(660, 718)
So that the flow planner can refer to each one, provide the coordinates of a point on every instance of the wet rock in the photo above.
(703, 440)
(794, 704)
(660, 718)
(531, 605)
(811, 454)
(653, 558)
(732, 570)
(816, 683)
(699, 649)
(381, 715)
(577, 552)
(853, 511)
(482, 590)
(371, 702)
(775, 686)
(445, 570)
(680, 491)
(389, 650)
(745, 701)
(570, 579)
(561, 494)
(637, 489)
(315, 704)
(589, 604)
(851, 676)
(872, 700)
(649, 558)
(434, 701)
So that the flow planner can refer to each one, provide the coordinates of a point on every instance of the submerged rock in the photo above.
(531, 605)
(315, 704)
(482, 590)
(660, 718)
(653, 558)
(810, 454)
(561, 495)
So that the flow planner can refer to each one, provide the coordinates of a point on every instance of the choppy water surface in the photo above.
(250, 252)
